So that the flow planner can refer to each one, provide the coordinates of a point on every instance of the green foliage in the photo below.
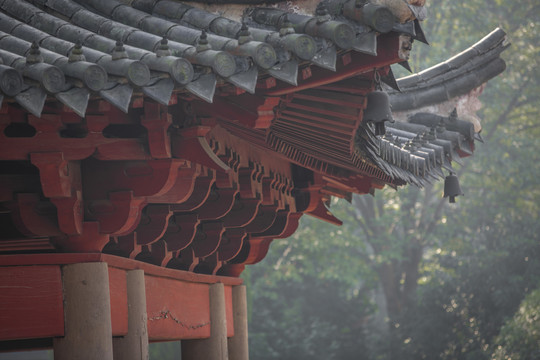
(519, 338)
(329, 247)
(309, 320)
(462, 307)
(301, 304)
(165, 350)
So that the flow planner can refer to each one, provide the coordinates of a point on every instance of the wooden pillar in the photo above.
(215, 347)
(87, 314)
(134, 346)
(238, 344)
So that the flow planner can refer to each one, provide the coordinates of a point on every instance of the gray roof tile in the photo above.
(275, 43)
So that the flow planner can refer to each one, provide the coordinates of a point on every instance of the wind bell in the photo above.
(452, 188)
(378, 110)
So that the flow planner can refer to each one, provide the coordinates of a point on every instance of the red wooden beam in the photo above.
(114, 261)
(30, 302)
(177, 301)
(176, 310)
(387, 54)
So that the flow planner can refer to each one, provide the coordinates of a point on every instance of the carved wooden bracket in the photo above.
(157, 120)
(91, 239)
(117, 215)
(181, 231)
(191, 144)
(208, 237)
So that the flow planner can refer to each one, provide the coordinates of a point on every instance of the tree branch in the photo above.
(503, 118)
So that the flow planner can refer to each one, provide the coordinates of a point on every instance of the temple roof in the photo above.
(157, 46)
(168, 133)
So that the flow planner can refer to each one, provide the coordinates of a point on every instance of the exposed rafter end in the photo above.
(191, 144)
(322, 212)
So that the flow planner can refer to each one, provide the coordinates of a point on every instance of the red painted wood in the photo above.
(48, 139)
(387, 54)
(242, 213)
(231, 243)
(266, 216)
(187, 260)
(156, 120)
(153, 224)
(278, 227)
(232, 269)
(177, 301)
(201, 191)
(31, 302)
(293, 221)
(218, 204)
(182, 188)
(322, 212)
(118, 215)
(208, 241)
(47, 259)
(128, 245)
(160, 253)
(119, 301)
(117, 262)
(252, 111)
(90, 239)
(69, 213)
(229, 311)
(144, 178)
(14, 184)
(181, 231)
(33, 244)
(249, 188)
(34, 217)
(258, 248)
(55, 173)
(177, 310)
(191, 144)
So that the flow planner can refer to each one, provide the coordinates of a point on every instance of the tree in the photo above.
(519, 338)
(301, 305)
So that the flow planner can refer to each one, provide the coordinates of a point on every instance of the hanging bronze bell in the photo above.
(378, 111)
(452, 188)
